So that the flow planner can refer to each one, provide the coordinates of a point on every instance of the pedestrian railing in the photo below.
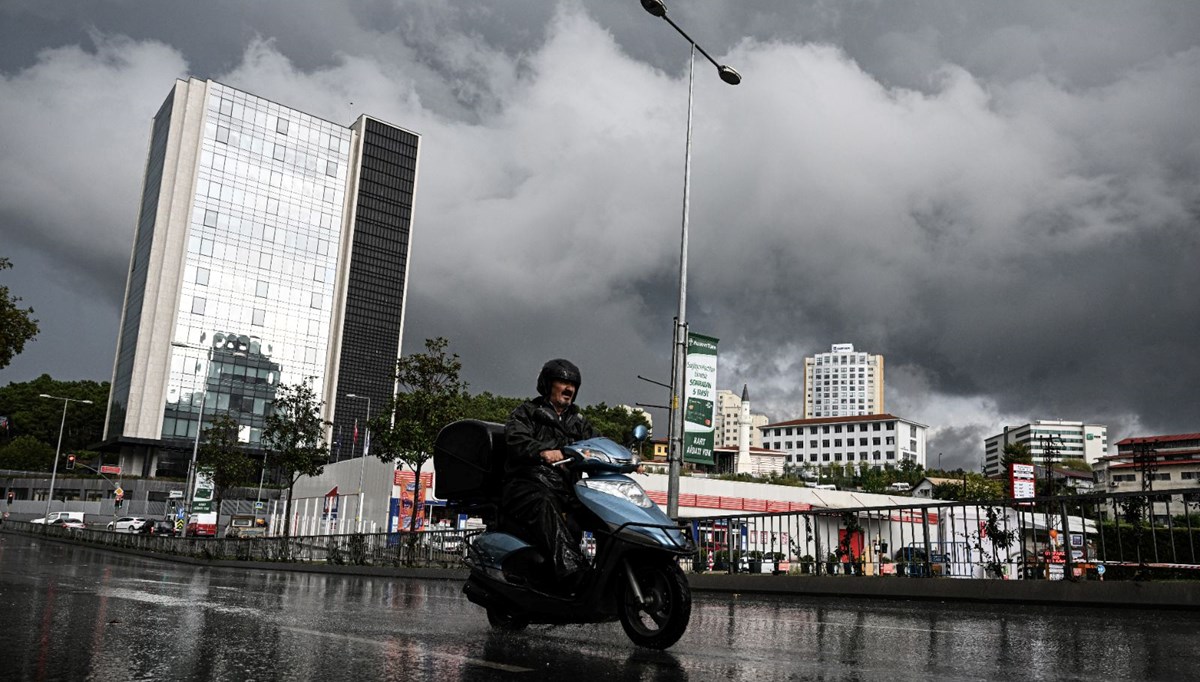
(430, 548)
(1135, 535)
(1115, 536)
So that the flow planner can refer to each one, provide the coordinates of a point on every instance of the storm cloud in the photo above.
(1002, 200)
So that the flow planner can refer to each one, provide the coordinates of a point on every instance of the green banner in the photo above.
(699, 399)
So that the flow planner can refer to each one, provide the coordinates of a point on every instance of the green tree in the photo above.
(971, 487)
(614, 422)
(431, 396)
(489, 408)
(1015, 453)
(26, 453)
(30, 415)
(16, 324)
(223, 458)
(294, 438)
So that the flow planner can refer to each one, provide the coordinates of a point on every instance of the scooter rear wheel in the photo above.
(662, 619)
(503, 620)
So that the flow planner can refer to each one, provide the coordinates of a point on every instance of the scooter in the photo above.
(634, 575)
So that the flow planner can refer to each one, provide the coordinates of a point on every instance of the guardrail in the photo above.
(1135, 535)
(428, 549)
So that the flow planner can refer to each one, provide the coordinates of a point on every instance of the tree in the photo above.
(489, 408)
(294, 438)
(971, 487)
(16, 324)
(431, 396)
(222, 458)
(1015, 453)
(29, 415)
(614, 422)
(26, 453)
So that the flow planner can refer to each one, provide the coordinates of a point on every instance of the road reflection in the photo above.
(79, 613)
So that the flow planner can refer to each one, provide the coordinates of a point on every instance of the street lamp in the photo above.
(58, 450)
(362, 465)
(187, 488)
(679, 350)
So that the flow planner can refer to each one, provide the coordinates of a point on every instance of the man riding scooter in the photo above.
(536, 497)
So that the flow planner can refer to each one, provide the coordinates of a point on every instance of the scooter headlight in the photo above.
(626, 489)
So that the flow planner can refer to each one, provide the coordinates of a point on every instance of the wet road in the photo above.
(75, 613)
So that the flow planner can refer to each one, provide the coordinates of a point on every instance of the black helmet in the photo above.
(558, 370)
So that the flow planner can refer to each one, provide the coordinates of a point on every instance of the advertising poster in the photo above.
(202, 496)
(410, 500)
(699, 399)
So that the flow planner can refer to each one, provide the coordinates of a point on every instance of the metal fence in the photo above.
(1097, 536)
(426, 549)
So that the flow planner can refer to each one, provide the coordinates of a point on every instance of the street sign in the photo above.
(119, 492)
(110, 469)
(259, 506)
(1100, 569)
(175, 495)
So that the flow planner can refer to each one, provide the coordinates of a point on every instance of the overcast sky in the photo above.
(1003, 199)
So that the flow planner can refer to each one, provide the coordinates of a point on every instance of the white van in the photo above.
(72, 515)
(899, 487)
(824, 486)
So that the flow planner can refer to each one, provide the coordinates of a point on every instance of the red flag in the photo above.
(356, 432)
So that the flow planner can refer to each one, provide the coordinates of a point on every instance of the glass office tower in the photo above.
(271, 248)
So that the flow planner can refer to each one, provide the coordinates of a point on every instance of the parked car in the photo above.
(68, 523)
(128, 524)
(73, 515)
(162, 528)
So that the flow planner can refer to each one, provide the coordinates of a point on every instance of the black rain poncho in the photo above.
(536, 496)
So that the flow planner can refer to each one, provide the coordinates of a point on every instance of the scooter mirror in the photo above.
(640, 433)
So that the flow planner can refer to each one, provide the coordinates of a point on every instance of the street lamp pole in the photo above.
(187, 488)
(58, 451)
(679, 347)
(362, 465)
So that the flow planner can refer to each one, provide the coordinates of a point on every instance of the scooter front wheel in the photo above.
(661, 619)
(504, 620)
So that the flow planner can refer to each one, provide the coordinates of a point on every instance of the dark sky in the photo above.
(1000, 198)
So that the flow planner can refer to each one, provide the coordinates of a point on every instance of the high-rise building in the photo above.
(727, 414)
(1048, 439)
(843, 383)
(271, 248)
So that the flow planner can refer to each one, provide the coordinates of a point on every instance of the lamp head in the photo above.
(729, 74)
(655, 7)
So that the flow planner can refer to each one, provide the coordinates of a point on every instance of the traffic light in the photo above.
(70, 461)
(11, 497)
(118, 502)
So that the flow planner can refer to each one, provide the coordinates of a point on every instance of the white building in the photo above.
(843, 383)
(728, 413)
(1067, 439)
(862, 441)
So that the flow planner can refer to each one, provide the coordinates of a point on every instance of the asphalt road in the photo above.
(74, 613)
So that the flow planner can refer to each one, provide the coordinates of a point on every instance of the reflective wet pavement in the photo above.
(75, 613)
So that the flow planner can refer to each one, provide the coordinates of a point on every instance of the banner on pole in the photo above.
(699, 396)
(202, 494)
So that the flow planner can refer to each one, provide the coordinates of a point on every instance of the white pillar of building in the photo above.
(743, 456)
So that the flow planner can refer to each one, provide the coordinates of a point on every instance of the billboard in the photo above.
(1021, 477)
(699, 399)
